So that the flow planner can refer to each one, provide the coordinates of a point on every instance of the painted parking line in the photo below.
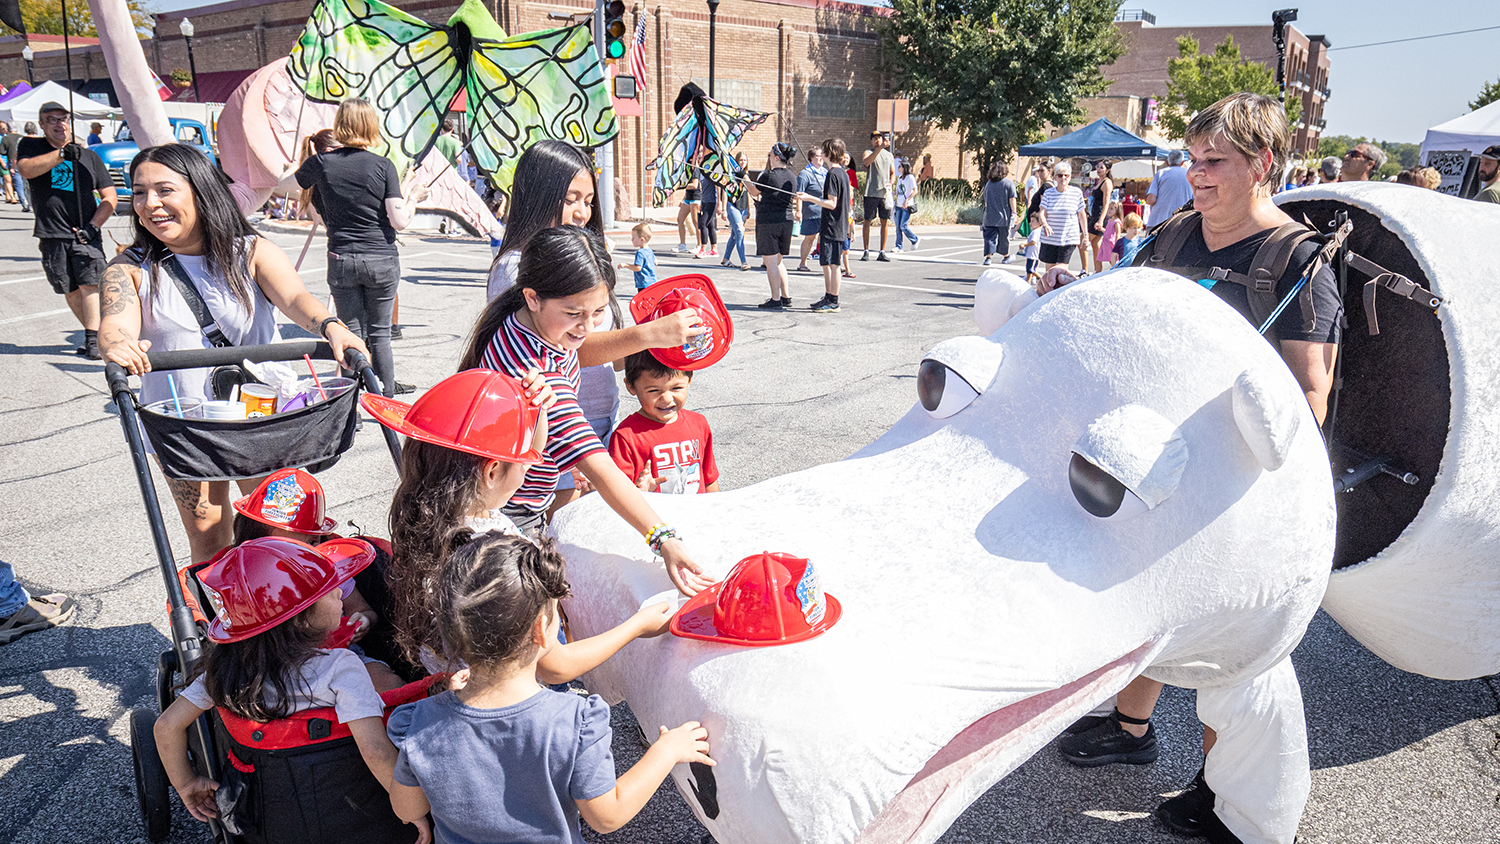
(20, 280)
(42, 315)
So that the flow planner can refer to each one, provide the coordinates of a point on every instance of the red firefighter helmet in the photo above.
(289, 499)
(478, 411)
(259, 584)
(767, 599)
(687, 291)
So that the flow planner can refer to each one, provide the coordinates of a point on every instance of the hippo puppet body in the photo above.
(984, 607)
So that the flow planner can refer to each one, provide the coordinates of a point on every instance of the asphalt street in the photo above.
(1396, 757)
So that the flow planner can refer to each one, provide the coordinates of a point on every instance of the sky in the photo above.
(1390, 93)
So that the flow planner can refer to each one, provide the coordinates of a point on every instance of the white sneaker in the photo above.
(914, 244)
(1005, 260)
(681, 247)
(898, 249)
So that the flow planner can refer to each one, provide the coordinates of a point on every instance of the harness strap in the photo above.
(1394, 282)
(195, 302)
(1171, 236)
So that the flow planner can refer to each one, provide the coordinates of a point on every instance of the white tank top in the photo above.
(169, 324)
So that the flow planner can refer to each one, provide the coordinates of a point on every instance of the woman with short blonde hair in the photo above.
(360, 198)
(356, 124)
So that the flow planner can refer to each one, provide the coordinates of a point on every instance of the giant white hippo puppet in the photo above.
(976, 626)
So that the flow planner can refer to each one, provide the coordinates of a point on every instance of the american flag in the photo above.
(637, 54)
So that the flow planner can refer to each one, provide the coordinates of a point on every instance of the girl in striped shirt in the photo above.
(564, 285)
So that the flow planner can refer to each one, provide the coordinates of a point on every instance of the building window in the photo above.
(735, 92)
(837, 103)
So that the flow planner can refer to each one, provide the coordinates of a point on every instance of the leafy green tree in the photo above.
(1488, 94)
(1196, 81)
(1000, 70)
(45, 17)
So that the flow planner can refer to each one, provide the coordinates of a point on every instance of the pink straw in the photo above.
(314, 372)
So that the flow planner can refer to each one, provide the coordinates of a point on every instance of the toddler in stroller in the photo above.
(275, 602)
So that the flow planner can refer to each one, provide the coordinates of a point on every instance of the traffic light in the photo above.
(614, 29)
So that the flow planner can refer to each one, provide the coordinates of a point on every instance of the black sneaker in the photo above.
(402, 388)
(771, 305)
(881, 257)
(866, 256)
(395, 332)
(825, 306)
(1109, 743)
(1190, 811)
(1086, 723)
(786, 301)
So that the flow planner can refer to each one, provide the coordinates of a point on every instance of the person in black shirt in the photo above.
(834, 231)
(359, 197)
(775, 213)
(1239, 148)
(64, 177)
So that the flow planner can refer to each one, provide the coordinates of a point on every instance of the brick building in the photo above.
(1140, 75)
(814, 64)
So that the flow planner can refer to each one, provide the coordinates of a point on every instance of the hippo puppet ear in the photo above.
(1268, 418)
(998, 296)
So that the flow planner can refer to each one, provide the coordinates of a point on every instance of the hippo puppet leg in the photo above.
(1258, 767)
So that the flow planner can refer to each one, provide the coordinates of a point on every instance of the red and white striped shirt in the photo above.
(516, 349)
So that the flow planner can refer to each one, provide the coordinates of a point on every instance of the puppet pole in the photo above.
(310, 232)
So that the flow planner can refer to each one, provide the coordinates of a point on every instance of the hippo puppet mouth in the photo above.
(1059, 513)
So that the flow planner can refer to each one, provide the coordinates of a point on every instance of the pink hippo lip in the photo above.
(1006, 737)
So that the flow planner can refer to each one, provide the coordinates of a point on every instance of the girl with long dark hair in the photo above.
(564, 285)
(555, 186)
(187, 224)
(267, 659)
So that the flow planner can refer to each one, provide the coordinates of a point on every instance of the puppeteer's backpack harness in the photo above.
(1270, 263)
(1267, 267)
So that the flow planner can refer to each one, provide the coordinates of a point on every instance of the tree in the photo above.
(1196, 81)
(44, 17)
(1488, 94)
(1000, 70)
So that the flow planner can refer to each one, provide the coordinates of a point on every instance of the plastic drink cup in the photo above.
(259, 400)
(224, 410)
(190, 408)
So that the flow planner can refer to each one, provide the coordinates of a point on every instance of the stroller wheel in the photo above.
(150, 777)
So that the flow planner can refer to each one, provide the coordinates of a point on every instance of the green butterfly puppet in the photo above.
(520, 89)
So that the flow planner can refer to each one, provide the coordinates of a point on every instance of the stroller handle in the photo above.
(231, 355)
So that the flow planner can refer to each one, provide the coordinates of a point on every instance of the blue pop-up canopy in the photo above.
(1100, 139)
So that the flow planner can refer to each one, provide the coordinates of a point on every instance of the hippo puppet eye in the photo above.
(955, 372)
(1127, 462)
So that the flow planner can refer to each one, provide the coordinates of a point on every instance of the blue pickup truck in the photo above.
(118, 154)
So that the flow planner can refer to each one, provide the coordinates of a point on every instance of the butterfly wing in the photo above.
(531, 87)
(714, 135)
(405, 67)
(673, 170)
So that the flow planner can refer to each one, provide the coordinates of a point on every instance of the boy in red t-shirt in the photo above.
(663, 446)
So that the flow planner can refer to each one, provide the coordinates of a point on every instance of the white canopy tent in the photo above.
(1472, 132)
(23, 108)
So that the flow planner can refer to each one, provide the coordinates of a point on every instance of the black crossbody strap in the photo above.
(195, 302)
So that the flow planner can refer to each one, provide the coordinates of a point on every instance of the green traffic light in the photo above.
(615, 49)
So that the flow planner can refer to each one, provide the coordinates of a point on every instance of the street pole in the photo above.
(27, 53)
(605, 152)
(187, 30)
(68, 64)
(713, 14)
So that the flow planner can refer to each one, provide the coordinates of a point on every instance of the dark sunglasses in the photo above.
(1354, 153)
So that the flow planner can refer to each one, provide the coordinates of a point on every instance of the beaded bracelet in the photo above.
(658, 535)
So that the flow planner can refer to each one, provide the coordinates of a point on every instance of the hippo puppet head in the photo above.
(1122, 478)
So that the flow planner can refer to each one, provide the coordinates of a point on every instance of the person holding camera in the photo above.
(64, 178)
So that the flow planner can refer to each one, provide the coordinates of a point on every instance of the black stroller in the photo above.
(281, 766)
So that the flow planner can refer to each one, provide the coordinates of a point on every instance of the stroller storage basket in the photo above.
(310, 438)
